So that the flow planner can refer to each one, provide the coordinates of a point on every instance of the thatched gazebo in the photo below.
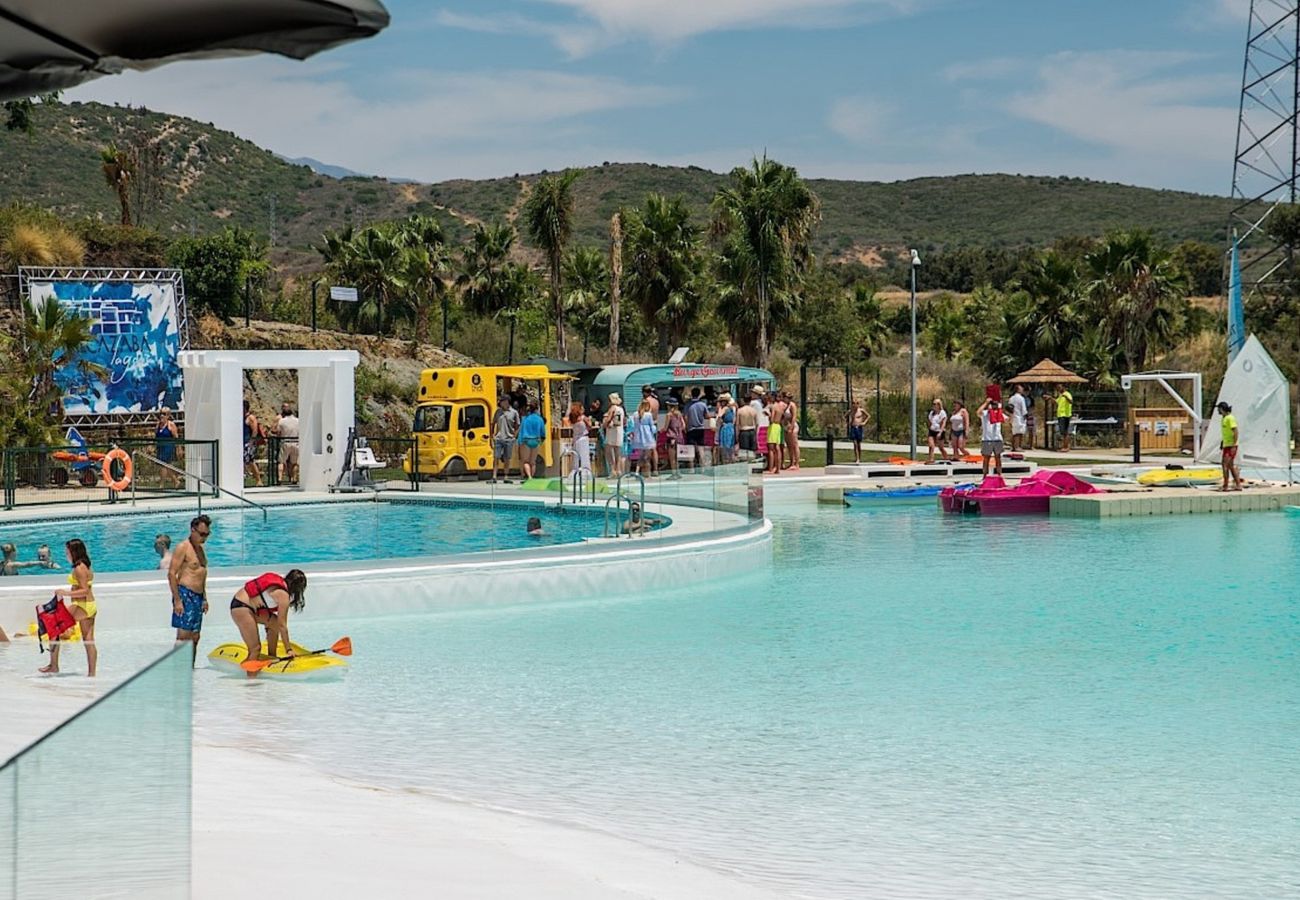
(1047, 373)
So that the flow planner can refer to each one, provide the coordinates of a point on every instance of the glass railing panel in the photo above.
(8, 833)
(103, 801)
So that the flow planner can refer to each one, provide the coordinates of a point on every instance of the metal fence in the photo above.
(69, 473)
(1099, 416)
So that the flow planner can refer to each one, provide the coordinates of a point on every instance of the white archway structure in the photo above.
(214, 395)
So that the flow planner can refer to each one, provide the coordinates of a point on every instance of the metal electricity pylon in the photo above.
(1267, 164)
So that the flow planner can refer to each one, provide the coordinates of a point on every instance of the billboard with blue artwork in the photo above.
(139, 328)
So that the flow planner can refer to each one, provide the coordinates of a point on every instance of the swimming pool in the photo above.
(306, 533)
(901, 704)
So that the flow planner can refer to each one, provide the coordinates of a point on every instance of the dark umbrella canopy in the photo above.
(48, 45)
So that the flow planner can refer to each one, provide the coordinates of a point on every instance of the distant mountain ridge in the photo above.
(321, 168)
(212, 178)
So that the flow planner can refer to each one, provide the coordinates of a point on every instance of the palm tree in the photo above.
(1054, 320)
(373, 259)
(661, 254)
(945, 329)
(518, 284)
(427, 261)
(53, 339)
(764, 221)
(482, 264)
(873, 329)
(998, 342)
(615, 278)
(490, 284)
(549, 218)
(1134, 288)
(1093, 356)
(118, 173)
(587, 290)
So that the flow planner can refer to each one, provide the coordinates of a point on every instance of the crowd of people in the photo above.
(169, 447)
(946, 432)
(691, 427)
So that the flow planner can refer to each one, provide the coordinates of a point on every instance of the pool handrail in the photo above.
(618, 485)
(619, 496)
(199, 478)
(579, 479)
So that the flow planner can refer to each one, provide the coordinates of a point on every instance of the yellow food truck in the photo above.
(453, 418)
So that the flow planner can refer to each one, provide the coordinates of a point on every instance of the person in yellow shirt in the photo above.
(1064, 412)
(1231, 442)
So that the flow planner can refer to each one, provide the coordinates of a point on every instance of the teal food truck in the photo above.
(628, 380)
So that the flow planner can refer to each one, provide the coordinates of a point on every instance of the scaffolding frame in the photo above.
(1266, 165)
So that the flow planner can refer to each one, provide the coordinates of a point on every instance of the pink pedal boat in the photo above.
(1031, 497)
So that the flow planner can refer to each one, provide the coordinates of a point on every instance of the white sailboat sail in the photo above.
(1260, 398)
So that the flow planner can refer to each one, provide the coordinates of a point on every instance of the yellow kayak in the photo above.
(1180, 477)
(227, 657)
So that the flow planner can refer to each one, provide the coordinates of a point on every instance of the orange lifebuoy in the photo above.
(117, 484)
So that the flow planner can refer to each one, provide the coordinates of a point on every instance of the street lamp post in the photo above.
(916, 262)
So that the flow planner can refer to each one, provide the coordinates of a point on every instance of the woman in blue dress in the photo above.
(165, 444)
(727, 428)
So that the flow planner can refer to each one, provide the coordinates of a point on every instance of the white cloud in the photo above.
(574, 40)
(1131, 103)
(425, 124)
(669, 21)
(861, 120)
(1238, 10)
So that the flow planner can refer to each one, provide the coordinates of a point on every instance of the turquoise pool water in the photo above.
(308, 533)
(903, 705)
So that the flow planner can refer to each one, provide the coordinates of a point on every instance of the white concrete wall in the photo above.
(399, 587)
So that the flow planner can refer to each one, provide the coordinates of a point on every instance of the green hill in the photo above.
(210, 178)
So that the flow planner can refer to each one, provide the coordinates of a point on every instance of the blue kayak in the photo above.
(924, 493)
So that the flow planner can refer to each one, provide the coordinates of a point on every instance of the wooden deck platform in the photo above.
(1175, 502)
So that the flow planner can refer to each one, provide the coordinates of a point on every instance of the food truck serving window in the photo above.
(432, 418)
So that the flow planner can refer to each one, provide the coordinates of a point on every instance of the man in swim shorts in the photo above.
(1231, 443)
(188, 578)
(775, 435)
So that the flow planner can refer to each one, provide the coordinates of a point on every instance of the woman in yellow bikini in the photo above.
(83, 605)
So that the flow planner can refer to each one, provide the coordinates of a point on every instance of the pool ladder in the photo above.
(617, 499)
(580, 476)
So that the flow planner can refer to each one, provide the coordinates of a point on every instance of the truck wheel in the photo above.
(454, 468)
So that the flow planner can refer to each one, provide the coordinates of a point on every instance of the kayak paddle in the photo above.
(343, 647)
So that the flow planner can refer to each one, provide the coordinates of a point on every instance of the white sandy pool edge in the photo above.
(341, 839)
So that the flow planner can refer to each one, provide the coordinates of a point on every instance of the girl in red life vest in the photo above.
(266, 600)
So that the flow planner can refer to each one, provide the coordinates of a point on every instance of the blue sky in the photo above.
(1140, 91)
